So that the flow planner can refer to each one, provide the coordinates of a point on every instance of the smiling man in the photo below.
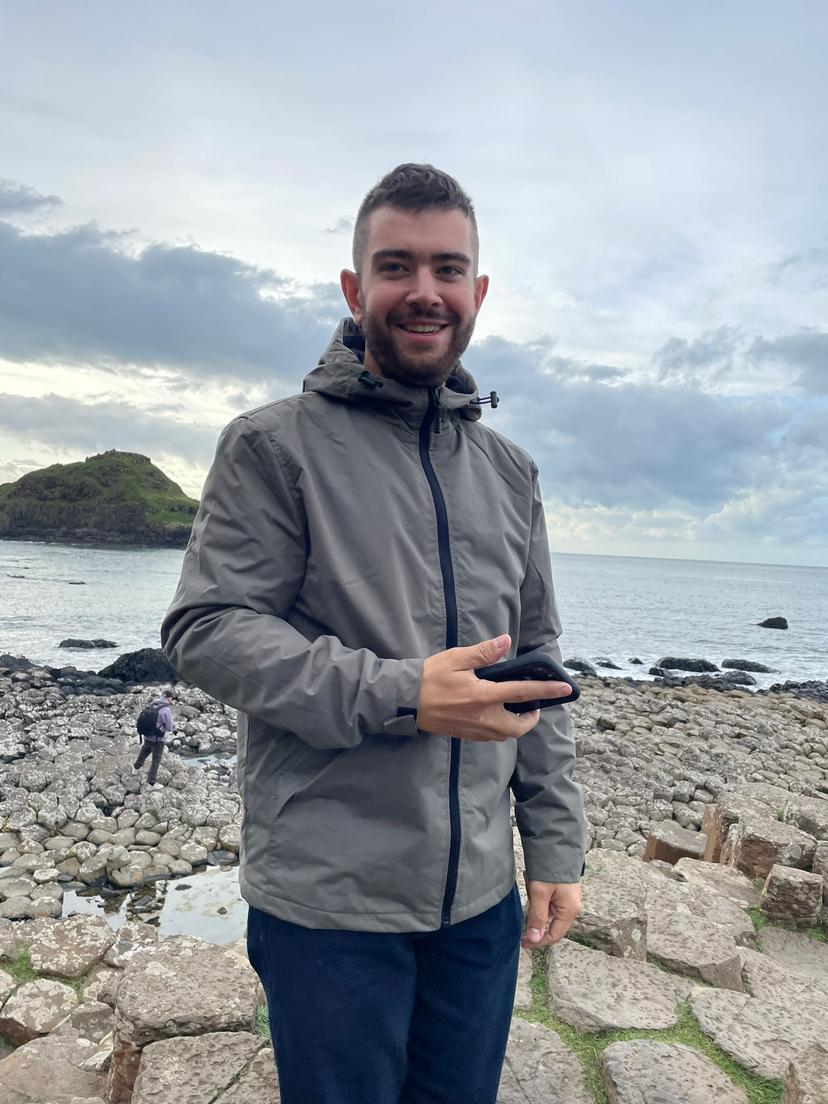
(360, 549)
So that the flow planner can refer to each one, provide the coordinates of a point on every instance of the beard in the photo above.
(417, 370)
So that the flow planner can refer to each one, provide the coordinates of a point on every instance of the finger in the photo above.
(559, 928)
(537, 918)
(521, 691)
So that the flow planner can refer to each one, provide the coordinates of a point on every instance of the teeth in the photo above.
(423, 329)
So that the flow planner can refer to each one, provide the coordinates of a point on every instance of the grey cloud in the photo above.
(60, 422)
(341, 226)
(703, 361)
(803, 263)
(638, 446)
(20, 199)
(81, 297)
(806, 351)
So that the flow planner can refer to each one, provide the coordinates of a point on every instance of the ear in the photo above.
(349, 282)
(481, 286)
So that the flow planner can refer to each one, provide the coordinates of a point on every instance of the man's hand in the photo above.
(455, 702)
(552, 909)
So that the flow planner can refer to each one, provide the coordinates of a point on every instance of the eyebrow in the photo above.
(407, 255)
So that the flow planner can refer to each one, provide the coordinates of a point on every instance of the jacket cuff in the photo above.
(565, 867)
(404, 724)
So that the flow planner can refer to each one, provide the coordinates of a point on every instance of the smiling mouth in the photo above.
(422, 327)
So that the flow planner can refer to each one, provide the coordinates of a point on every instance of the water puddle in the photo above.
(207, 905)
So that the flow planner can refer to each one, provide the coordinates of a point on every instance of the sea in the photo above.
(612, 607)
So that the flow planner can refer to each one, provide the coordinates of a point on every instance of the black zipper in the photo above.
(447, 571)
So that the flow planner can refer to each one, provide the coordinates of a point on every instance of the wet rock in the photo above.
(746, 665)
(773, 623)
(642, 1070)
(540, 1069)
(592, 991)
(582, 665)
(34, 1009)
(682, 663)
(146, 666)
(98, 642)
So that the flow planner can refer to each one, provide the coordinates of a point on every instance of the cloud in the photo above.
(656, 452)
(20, 199)
(702, 361)
(341, 226)
(86, 296)
(67, 424)
(806, 351)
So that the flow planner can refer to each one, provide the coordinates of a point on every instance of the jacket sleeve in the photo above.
(227, 632)
(548, 803)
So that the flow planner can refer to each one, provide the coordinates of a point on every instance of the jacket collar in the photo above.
(341, 375)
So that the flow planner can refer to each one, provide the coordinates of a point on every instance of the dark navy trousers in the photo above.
(376, 1018)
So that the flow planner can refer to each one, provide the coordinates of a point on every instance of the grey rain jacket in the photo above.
(345, 534)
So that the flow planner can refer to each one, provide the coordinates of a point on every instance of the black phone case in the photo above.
(530, 665)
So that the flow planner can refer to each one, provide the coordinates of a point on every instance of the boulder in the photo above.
(806, 1081)
(187, 987)
(540, 1069)
(133, 936)
(797, 952)
(810, 814)
(34, 1009)
(207, 1065)
(147, 666)
(582, 665)
(746, 665)
(642, 1070)
(755, 844)
(792, 896)
(98, 642)
(90, 1020)
(695, 947)
(70, 948)
(594, 992)
(773, 623)
(612, 919)
(682, 663)
(668, 842)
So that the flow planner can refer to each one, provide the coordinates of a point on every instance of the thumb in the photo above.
(487, 651)
(537, 915)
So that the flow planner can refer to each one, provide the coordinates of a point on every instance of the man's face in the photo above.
(417, 295)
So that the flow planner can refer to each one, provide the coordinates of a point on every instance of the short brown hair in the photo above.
(412, 187)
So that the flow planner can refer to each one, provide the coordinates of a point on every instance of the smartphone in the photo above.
(531, 665)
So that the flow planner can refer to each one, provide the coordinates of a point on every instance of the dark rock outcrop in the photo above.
(581, 665)
(746, 665)
(72, 642)
(148, 665)
(682, 663)
(774, 623)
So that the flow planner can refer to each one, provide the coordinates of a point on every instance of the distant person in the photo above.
(359, 550)
(154, 722)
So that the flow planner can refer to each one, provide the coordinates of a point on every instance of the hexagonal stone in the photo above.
(724, 881)
(7, 984)
(193, 853)
(796, 951)
(592, 991)
(668, 842)
(540, 1069)
(257, 1085)
(127, 876)
(523, 991)
(763, 1034)
(792, 896)
(754, 845)
(36, 1008)
(230, 837)
(132, 936)
(806, 1081)
(34, 1071)
(695, 947)
(69, 948)
(185, 987)
(641, 1070)
(206, 1064)
(810, 814)
(612, 921)
(90, 1020)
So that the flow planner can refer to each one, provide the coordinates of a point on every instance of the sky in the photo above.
(177, 191)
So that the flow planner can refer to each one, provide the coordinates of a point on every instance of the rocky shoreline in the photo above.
(669, 945)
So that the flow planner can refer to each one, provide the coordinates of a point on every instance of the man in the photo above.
(360, 549)
(154, 722)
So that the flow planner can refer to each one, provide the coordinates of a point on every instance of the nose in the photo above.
(423, 293)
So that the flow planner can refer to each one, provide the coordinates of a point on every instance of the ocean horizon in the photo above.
(617, 607)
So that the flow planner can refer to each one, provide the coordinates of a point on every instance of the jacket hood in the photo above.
(342, 375)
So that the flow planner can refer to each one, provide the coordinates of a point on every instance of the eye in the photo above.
(452, 271)
(391, 268)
